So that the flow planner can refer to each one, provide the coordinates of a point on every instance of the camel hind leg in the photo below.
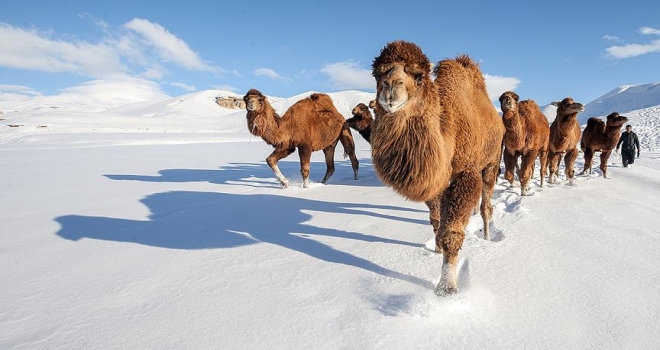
(434, 218)
(543, 160)
(488, 180)
(346, 139)
(329, 153)
(553, 163)
(510, 163)
(456, 207)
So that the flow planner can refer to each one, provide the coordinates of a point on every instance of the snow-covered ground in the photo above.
(159, 225)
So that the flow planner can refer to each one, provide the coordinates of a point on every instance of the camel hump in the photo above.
(530, 103)
(595, 124)
(467, 62)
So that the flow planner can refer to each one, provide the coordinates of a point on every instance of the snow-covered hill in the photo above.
(158, 224)
(623, 100)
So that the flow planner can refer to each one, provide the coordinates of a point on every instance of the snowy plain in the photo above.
(159, 225)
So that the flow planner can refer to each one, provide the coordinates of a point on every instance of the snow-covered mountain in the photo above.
(623, 100)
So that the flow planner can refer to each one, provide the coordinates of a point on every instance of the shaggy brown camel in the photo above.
(564, 137)
(361, 121)
(439, 142)
(602, 137)
(310, 124)
(527, 135)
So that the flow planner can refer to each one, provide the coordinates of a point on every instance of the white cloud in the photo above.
(611, 37)
(267, 72)
(497, 84)
(349, 75)
(184, 86)
(23, 49)
(633, 50)
(649, 31)
(168, 46)
(138, 46)
(118, 90)
(19, 89)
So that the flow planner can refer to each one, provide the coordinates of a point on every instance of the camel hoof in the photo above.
(285, 183)
(444, 290)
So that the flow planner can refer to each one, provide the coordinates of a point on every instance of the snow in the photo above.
(623, 100)
(157, 224)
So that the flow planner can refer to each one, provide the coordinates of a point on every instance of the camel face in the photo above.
(372, 104)
(614, 120)
(393, 87)
(254, 102)
(568, 106)
(508, 100)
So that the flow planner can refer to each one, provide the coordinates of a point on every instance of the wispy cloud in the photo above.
(184, 86)
(649, 31)
(497, 84)
(267, 72)
(17, 93)
(611, 38)
(349, 75)
(634, 50)
(169, 47)
(139, 47)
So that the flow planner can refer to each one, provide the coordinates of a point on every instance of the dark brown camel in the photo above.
(361, 121)
(310, 124)
(600, 136)
(438, 141)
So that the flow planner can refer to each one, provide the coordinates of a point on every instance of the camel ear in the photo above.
(516, 97)
(555, 103)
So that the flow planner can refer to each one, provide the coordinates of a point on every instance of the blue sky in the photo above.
(543, 50)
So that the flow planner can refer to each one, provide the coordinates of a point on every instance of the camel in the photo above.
(378, 110)
(527, 135)
(310, 124)
(439, 142)
(564, 136)
(600, 136)
(361, 120)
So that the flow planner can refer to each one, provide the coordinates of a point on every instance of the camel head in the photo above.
(361, 117)
(254, 101)
(372, 104)
(402, 71)
(568, 107)
(615, 120)
(509, 100)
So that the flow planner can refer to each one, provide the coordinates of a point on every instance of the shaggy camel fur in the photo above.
(564, 137)
(361, 121)
(438, 141)
(602, 137)
(527, 135)
(310, 124)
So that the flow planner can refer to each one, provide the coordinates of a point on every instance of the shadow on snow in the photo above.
(204, 220)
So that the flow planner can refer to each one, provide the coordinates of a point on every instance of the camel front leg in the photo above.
(456, 206)
(305, 154)
(569, 162)
(553, 159)
(279, 153)
(588, 161)
(510, 164)
(527, 169)
(604, 157)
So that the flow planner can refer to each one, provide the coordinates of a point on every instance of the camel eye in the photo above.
(419, 78)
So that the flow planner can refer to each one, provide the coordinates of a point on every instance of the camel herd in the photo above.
(437, 138)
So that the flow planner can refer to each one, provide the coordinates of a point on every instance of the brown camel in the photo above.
(378, 109)
(361, 120)
(602, 137)
(438, 141)
(564, 136)
(527, 134)
(310, 124)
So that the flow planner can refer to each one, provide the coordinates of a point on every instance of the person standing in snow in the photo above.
(630, 142)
